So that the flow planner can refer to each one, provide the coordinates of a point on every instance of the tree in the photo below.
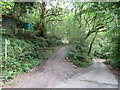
(46, 15)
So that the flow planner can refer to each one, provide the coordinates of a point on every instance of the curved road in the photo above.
(57, 72)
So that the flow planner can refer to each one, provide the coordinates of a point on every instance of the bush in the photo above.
(113, 53)
(52, 40)
(24, 54)
(79, 58)
(78, 50)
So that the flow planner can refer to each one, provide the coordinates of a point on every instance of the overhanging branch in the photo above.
(54, 20)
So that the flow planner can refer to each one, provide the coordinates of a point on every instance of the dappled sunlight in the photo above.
(65, 41)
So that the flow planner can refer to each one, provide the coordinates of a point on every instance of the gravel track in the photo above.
(57, 72)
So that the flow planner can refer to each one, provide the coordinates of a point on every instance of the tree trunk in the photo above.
(92, 44)
(41, 24)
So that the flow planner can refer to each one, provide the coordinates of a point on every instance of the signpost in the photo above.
(6, 43)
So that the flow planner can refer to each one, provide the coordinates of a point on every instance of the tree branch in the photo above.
(53, 14)
(54, 20)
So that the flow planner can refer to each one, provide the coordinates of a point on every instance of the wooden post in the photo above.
(5, 49)
(6, 43)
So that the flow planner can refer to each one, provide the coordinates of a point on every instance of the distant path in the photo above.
(57, 72)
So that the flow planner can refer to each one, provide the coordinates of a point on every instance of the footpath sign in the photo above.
(6, 43)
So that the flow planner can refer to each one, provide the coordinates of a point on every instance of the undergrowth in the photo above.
(78, 49)
(24, 54)
(80, 59)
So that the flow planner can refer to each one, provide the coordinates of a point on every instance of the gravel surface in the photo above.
(57, 72)
(52, 70)
(99, 76)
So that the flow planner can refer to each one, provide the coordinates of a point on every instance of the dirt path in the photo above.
(56, 72)
(53, 70)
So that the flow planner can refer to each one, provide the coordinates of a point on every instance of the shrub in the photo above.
(78, 49)
(23, 54)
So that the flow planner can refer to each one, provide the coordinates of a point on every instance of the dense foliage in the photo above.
(112, 49)
(24, 54)
(92, 30)
(88, 28)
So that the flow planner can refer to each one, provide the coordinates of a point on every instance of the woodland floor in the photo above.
(57, 72)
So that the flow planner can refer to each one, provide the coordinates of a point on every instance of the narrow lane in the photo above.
(57, 72)
(53, 70)
(99, 76)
